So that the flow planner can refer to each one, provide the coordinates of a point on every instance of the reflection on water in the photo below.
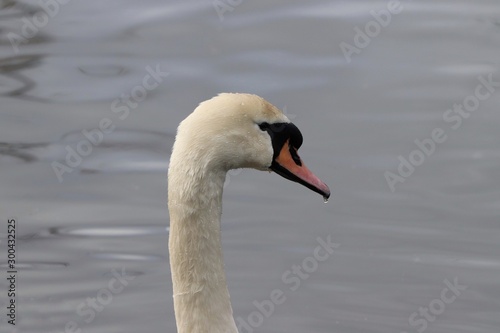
(21, 151)
(121, 150)
(13, 24)
(102, 231)
(39, 265)
(18, 84)
(110, 215)
(100, 70)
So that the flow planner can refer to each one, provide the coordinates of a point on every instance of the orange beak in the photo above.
(288, 164)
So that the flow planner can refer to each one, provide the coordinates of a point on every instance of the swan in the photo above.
(229, 131)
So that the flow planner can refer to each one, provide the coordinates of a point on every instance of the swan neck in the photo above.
(201, 297)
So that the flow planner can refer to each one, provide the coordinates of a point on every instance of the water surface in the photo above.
(397, 250)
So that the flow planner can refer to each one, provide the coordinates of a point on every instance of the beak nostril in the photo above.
(295, 156)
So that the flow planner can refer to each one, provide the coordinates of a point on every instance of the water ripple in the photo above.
(37, 265)
(121, 150)
(102, 231)
(126, 257)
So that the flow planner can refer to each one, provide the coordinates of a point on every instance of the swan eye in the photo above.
(280, 133)
(275, 127)
(264, 126)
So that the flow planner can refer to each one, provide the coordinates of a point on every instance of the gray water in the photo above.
(398, 251)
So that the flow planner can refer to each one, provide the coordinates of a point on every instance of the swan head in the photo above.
(233, 130)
